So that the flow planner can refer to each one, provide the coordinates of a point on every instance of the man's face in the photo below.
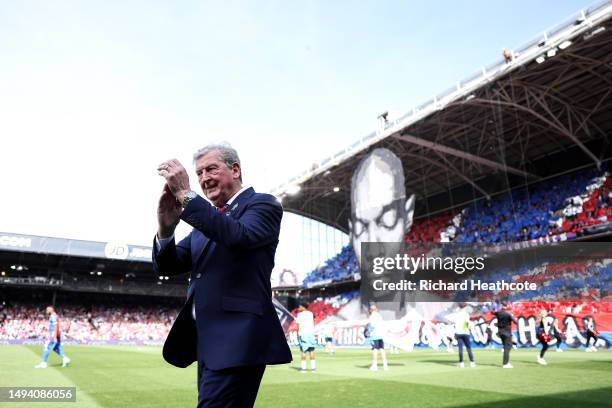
(49, 311)
(378, 215)
(219, 183)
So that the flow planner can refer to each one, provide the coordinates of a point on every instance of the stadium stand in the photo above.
(593, 209)
(572, 281)
(341, 267)
(80, 324)
(567, 205)
(430, 229)
(522, 214)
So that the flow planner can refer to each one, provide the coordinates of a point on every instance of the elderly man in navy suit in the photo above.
(228, 323)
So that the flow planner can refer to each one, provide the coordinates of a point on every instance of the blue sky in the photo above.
(93, 95)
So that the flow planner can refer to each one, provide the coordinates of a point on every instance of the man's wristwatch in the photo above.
(190, 195)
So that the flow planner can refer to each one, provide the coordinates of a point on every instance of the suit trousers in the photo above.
(234, 387)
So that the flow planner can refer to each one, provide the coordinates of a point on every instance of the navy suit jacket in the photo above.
(230, 257)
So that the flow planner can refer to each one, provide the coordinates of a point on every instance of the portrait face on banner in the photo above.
(380, 212)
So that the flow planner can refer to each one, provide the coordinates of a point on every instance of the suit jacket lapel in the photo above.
(239, 204)
(234, 211)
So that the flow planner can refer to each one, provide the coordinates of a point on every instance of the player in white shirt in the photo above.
(376, 330)
(461, 321)
(328, 334)
(306, 338)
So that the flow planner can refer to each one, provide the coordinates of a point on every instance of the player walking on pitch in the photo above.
(55, 342)
(543, 336)
(376, 330)
(307, 342)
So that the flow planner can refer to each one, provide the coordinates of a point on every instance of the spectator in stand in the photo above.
(507, 54)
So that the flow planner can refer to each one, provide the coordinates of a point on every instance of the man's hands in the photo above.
(176, 177)
(168, 213)
(170, 202)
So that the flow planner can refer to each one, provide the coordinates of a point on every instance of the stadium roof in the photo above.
(73, 247)
(545, 112)
(82, 266)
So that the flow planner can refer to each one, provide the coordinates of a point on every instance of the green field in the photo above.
(123, 376)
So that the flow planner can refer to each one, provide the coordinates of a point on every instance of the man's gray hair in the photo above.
(227, 154)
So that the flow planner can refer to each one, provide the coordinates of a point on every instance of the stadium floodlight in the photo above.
(565, 44)
(166, 277)
(552, 52)
(470, 97)
(99, 273)
(13, 267)
(3, 273)
(161, 277)
(540, 59)
(336, 189)
(294, 189)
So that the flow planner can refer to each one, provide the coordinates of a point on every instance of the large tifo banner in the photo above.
(414, 331)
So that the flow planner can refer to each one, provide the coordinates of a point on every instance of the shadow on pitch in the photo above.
(380, 365)
(599, 397)
(294, 368)
(454, 363)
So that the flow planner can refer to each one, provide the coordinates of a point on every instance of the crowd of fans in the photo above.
(561, 208)
(338, 268)
(587, 210)
(121, 324)
(524, 214)
(432, 228)
(88, 325)
(586, 280)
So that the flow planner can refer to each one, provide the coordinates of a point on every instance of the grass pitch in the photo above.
(130, 376)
